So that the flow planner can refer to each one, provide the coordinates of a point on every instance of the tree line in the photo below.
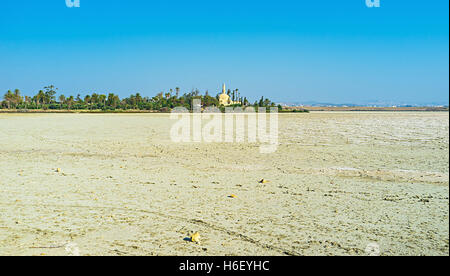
(46, 99)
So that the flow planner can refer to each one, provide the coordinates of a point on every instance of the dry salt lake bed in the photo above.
(339, 181)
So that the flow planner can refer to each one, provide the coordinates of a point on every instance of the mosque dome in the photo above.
(224, 97)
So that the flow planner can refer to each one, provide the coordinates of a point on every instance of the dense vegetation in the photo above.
(163, 102)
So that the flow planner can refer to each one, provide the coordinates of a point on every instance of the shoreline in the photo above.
(363, 108)
(290, 110)
(38, 111)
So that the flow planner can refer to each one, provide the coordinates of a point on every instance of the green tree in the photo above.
(70, 102)
(102, 99)
(40, 97)
(17, 97)
(87, 101)
(94, 98)
(113, 100)
(9, 97)
(49, 94)
(62, 99)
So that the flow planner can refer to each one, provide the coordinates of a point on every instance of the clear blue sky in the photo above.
(327, 51)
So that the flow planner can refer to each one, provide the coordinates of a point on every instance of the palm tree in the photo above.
(17, 97)
(261, 101)
(113, 100)
(40, 97)
(138, 99)
(132, 101)
(50, 92)
(62, 99)
(8, 98)
(116, 100)
(102, 99)
(70, 102)
(27, 101)
(87, 100)
(94, 98)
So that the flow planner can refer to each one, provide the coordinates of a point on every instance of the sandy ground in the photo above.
(338, 182)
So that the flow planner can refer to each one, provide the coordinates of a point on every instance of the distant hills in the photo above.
(367, 104)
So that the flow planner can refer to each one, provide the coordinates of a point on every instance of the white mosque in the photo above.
(224, 99)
